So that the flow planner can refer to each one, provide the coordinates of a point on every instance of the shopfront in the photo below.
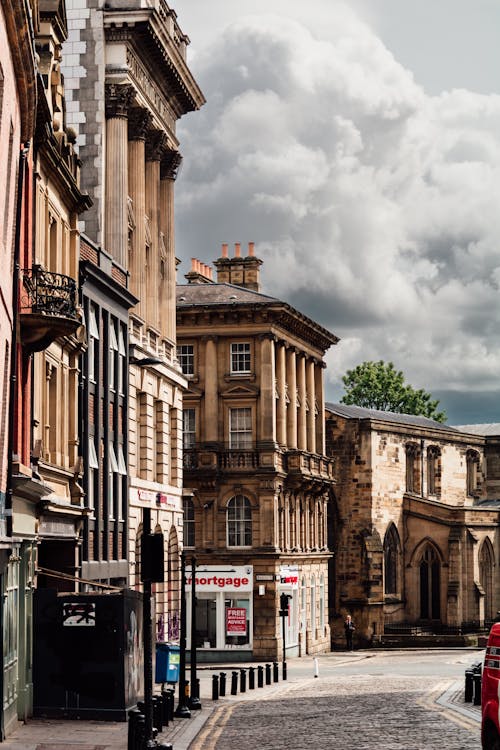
(289, 584)
(224, 611)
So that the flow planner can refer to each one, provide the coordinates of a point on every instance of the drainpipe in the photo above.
(421, 468)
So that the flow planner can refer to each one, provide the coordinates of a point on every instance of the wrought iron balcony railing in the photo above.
(49, 293)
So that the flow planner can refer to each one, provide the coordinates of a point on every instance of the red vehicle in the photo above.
(490, 690)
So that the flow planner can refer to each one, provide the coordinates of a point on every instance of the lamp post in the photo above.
(182, 711)
(194, 702)
(284, 614)
(147, 626)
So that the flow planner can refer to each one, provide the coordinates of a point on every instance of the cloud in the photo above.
(373, 205)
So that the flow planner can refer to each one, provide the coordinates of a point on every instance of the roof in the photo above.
(219, 294)
(480, 429)
(360, 412)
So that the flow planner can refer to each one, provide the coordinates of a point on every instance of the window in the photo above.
(113, 349)
(472, 459)
(188, 429)
(93, 466)
(322, 603)
(239, 522)
(430, 605)
(188, 507)
(240, 428)
(486, 564)
(185, 355)
(313, 607)
(240, 358)
(93, 332)
(433, 470)
(113, 469)
(413, 468)
(391, 556)
(122, 370)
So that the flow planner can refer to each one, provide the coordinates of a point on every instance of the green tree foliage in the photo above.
(378, 385)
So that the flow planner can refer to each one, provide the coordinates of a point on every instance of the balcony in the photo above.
(48, 307)
(217, 459)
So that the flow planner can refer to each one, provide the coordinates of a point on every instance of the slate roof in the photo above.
(360, 412)
(219, 294)
(487, 429)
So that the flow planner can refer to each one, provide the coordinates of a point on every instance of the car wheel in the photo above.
(491, 738)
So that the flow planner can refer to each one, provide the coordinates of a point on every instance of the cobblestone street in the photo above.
(361, 711)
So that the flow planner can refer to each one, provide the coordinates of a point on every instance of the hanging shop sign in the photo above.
(289, 576)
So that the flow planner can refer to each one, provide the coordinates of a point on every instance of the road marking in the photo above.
(207, 738)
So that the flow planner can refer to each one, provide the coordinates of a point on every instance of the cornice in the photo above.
(18, 26)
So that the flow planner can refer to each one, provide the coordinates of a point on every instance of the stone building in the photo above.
(254, 460)
(128, 83)
(416, 531)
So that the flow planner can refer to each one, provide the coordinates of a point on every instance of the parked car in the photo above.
(490, 687)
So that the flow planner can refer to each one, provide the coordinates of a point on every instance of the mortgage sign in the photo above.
(236, 621)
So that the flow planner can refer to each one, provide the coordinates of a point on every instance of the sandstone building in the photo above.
(254, 459)
(417, 530)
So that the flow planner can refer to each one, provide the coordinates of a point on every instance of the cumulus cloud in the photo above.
(373, 205)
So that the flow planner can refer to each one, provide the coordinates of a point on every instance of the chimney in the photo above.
(200, 273)
(244, 272)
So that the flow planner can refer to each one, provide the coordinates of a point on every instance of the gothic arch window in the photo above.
(472, 459)
(430, 584)
(239, 522)
(392, 549)
(413, 468)
(486, 563)
(433, 470)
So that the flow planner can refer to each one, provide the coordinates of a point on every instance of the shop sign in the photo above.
(289, 576)
(222, 578)
(236, 621)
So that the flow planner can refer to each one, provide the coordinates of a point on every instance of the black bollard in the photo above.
(234, 683)
(133, 715)
(215, 687)
(284, 670)
(140, 736)
(243, 681)
(276, 674)
(469, 685)
(260, 676)
(165, 710)
(222, 684)
(157, 712)
(268, 674)
(251, 678)
(477, 688)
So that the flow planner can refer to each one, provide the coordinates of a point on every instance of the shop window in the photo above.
(188, 524)
(185, 356)
(413, 458)
(240, 429)
(433, 470)
(391, 558)
(472, 459)
(239, 522)
(240, 358)
(237, 622)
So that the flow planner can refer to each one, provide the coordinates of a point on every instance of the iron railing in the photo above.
(437, 628)
(48, 293)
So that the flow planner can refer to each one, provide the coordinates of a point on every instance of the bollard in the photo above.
(133, 715)
(469, 685)
(276, 674)
(165, 709)
(170, 703)
(222, 685)
(477, 688)
(251, 678)
(215, 687)
(157, 712)
(260, 676)
(316, 667)
(284, 670)
(140, 737)
(164, 746)
(234, 683)
(268, 674)
(243, 681)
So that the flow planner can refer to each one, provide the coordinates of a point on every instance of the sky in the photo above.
(358, 145)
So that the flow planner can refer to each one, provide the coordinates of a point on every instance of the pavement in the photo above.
(56, 734)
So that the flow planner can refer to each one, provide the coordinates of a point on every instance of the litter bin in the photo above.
(167, 663)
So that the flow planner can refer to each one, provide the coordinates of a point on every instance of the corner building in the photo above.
(255, 516)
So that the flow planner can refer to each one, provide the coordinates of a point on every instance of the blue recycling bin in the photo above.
(167, 662)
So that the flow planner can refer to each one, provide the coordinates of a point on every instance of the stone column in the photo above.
(291, 377)
(281, 406)
(138, 125)
(156, 145)
(267, 407)
(320, 401)
(169, 168)
(211, 390)
(301, 386)
(311, 414)
(118, 100)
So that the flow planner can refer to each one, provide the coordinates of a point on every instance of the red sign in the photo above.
(236, 621)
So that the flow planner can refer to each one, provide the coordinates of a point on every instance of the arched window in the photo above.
(174, 583)
(189, 527)
(322, 602)
(433, 470)
(313, 607)
(413, 458)
(239, 522)
(391, 560)
(430, 606)
(486, 562)
(303, 606)
(472, 459)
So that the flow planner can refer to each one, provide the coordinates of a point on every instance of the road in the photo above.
(363, 700)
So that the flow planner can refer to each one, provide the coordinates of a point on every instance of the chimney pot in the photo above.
(193, 264)
(251, 248)
(237, 250)
(224, 249)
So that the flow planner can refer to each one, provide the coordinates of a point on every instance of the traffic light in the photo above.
(284, 598)
(152, 564)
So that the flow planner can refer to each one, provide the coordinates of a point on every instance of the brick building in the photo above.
(417, 534)
(254, 460)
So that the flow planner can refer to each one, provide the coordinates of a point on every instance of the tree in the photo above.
(378, 385)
